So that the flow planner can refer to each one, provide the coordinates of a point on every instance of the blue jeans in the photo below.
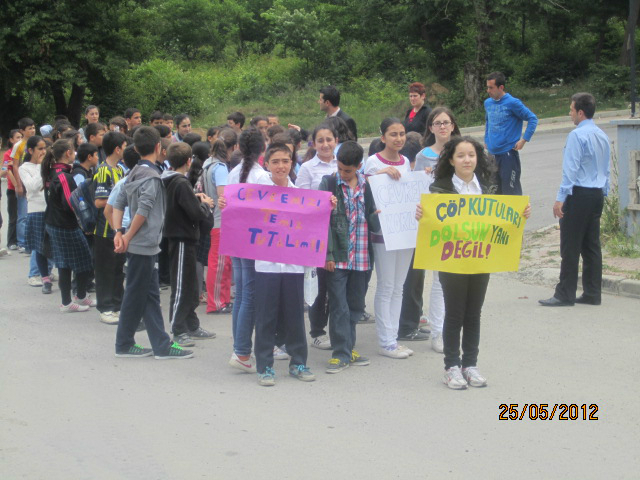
(347, 289)
(509, 173)
(244, 274)
(22, 220)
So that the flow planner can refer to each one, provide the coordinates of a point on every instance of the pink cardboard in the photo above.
(276, 224)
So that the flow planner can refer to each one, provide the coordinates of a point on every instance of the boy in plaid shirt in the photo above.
(349, 254)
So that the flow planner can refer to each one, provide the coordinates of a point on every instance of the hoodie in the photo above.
(143, 193)
(184, 210)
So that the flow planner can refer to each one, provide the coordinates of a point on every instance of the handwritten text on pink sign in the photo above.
(277, 224)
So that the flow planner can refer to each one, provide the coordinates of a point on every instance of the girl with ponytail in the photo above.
(68, 244)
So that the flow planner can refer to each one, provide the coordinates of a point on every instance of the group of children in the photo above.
(154, 186)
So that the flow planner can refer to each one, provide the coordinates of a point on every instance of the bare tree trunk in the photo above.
(73, 108)
(476, 70)
(632, 22)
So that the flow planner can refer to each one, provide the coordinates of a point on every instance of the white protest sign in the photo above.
(397, 200)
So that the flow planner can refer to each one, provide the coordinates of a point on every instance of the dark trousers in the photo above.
(319, 311)
(346, 305)
(281, 300)
(184, 287)
(411, 300)
(509, 173)
(109, 273)
(164, 264)
(141, 300)
(64, 283)
(580, 236)
(43, 265)
(463, 299)
(12, 210)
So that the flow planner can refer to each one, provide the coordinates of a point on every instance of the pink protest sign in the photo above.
(277, 224)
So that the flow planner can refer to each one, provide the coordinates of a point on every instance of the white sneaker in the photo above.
(402, 348)
(53, 277)
(473, 377)
(35, 281)
(3, 252)
(392, 352)
(424, 321)
(280, 354)
(322, 342)
(244, 365)
(87, 300)
(453, 379)
(436, 342)
(109, 318)
(73, 307)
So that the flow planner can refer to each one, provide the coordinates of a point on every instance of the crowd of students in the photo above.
(158, 196)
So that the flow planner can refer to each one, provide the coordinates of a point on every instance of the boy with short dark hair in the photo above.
(94, 133)
(133, 117)
(349, 254)
(185, 209)
(109, 266)
(87, 156)
(156, 118)
(168, 121)
(143, 193)
(236, 121)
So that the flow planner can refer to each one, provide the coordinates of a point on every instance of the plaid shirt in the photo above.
(358, 228)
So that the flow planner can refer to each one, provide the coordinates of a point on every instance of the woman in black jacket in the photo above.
(415, 120)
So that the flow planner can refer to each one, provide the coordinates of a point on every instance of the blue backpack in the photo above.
(82, 201)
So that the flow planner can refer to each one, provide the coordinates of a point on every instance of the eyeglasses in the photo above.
(441, 124)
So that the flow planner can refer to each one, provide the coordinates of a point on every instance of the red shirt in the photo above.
(7, 158)
(412, 115)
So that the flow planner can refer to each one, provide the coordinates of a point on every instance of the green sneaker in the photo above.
(136, 351)
(358, 360)
(268, 378)
(336, 365)
(301, 372)
(175, 352)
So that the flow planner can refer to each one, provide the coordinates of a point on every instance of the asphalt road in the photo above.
(71, 410)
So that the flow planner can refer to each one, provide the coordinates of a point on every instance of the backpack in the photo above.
(82, 202)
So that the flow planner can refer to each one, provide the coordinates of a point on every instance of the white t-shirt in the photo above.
(273, 267)
(255, 174)
(375, 163)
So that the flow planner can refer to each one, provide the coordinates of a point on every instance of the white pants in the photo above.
(391, 271)
(436, 306)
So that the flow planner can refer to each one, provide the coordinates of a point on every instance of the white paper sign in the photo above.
(397, 200)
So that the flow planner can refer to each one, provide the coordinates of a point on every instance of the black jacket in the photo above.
(445, 185)
(184, 210)
(57, 194)
(419, 123)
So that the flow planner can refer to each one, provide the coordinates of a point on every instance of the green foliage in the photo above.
(609, 80)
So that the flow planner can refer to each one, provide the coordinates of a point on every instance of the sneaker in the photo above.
(336, 366)
(228, 308)
(175, 352)
(268, 378)
(280, 353)
(424, 321)
(22, 250)
(13, 247)
(35, 281)
(87, 300)
(473, 377)
(184, 340)
(408, 351)
(201, 334)
(203, 297)
(244, 365)
(414, 336)
(453, 379)
(366, 318)
(392, 352)
(73, 307)
(136, 351)
(53, 277)
(358, 360)
(301, 372)
(109, 318)
(3, 252)
(436, 343)
(322, 342)
(47, 288)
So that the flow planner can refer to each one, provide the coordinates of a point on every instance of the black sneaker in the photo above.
(175, 352)
(46, 288)
(414, 336)
(366, 318)
(136, 351)
(201, 334)
(183, 340)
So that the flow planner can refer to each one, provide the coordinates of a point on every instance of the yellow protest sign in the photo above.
(470, 233)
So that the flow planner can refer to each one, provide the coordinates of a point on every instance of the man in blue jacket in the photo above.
(503, 132)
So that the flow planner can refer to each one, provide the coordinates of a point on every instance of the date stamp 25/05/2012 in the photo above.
(545, 411)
